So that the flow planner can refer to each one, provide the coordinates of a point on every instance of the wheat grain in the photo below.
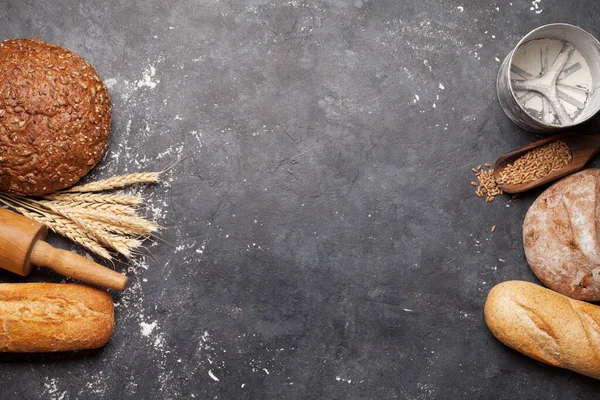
(487, 183)
(116, 182)
(96, 198)
(537, 163)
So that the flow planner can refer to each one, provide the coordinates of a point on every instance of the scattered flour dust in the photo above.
(535, 6)
(110, 82)
(198, 136)
(192, 245)
(212, 375)
(178, 150)
(147, 328)
(52, 391)
(97, 385)
(340, 379)
(158, 341)
(426, 63)
(208, 355)
(147, 78)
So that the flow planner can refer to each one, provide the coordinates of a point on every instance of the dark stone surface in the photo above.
(322, 239)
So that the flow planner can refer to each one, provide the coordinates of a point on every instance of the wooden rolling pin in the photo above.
(22, 245)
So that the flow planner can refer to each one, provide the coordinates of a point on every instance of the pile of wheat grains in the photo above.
(537, 163)
(487, 185)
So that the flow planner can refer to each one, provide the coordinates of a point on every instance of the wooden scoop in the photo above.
(583, 149)
(22, 246)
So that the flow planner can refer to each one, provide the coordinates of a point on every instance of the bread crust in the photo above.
(546, 326)
(561, 236)
(50, 317)
(55, 117)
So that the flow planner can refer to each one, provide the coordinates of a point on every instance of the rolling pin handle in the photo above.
(75, 266)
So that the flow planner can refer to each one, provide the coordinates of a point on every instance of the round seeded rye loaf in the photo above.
(561, 236)
(55, 117)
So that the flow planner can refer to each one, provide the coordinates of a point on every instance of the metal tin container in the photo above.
(549, 81)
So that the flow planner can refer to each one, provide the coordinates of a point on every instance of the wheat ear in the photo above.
(121, 244)
(95, 221)
(96, 198)
(105, 238)
(139, 225)
(69, 229)
(84, 207)
(63, 226)
(120, 230)
(116, 182)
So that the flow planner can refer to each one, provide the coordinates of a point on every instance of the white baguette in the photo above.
(44, 317)
(546, 326)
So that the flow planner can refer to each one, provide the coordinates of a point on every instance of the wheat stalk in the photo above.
(69, 229)
(95, 221)
(61, 225)
(120, 244)
(84, 207)
(120, 230)
(105, 238)
(96, 198)
(139, 225)
(115, 182)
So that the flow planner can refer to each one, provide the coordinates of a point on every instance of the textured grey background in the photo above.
(321, 236)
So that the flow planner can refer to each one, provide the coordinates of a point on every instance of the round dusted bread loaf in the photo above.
(55, 117)
(561, 236)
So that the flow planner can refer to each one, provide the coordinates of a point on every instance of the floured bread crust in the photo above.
(546, 326)
(561, 236)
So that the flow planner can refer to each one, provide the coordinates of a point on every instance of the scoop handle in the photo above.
(75, 266)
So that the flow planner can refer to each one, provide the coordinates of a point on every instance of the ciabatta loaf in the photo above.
(41, 317)
(545, 325)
